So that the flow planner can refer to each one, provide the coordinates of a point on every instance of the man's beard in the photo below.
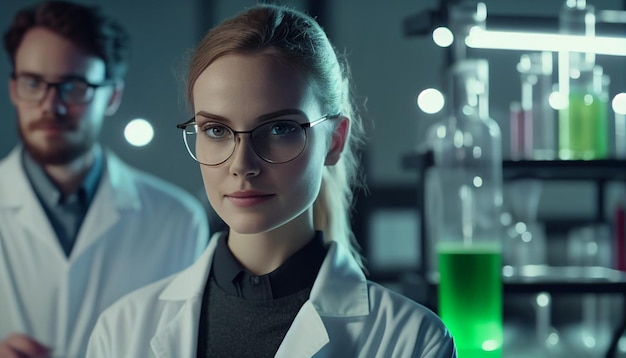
(57, 152)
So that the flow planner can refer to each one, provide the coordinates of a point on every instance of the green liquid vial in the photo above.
(583, 124)
(583, 127)
(470, 297)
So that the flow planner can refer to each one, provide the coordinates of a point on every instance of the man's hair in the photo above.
(84, 26)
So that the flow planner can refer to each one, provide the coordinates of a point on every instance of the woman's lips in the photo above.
(248, 198)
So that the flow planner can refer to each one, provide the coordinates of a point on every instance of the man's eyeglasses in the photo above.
(33, 89)
(278, 141)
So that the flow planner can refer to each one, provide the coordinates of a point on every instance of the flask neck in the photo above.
(469, 90)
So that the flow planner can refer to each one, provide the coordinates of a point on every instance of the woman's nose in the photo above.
(245, 161)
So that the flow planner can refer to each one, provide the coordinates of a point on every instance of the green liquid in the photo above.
(583, 128)
(470, 298)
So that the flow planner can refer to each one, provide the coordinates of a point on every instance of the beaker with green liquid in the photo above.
(470, 297)
(583, 123)
(465, 232)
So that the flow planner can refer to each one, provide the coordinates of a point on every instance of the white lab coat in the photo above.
(345, 316)
(138, 229)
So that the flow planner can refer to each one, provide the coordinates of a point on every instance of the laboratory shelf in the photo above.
(557, 280)
(602, 169)
(550, 279)
(595, 170)
(563, 279)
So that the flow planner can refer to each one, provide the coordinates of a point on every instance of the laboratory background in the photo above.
(448, 89)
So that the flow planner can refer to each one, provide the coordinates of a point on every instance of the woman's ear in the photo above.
(338, 141)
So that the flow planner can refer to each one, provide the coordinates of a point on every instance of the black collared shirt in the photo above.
(294, 275)
(65, 212)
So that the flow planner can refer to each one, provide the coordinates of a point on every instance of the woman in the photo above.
(276, 135)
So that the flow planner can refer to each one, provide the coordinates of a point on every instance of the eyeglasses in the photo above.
(279, 141)
(33, 89)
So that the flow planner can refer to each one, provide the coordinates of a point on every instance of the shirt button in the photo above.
(255, 280)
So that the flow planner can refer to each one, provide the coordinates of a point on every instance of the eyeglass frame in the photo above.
(58, 87)
(304, 126)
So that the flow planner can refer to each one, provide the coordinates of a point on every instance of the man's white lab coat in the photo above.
(138, 230)
(346, 316)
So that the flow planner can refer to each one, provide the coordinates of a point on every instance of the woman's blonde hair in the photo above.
(297, 40)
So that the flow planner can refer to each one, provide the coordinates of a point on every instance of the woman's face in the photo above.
(251, 195)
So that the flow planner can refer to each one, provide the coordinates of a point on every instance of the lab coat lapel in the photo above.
(116, 193)
(19, 198)
(306, 336)
(178, 337)
(340, 290)
(32, 217)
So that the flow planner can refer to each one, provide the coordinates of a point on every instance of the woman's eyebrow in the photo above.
(263, 117)
(282, 112)
(208, 115)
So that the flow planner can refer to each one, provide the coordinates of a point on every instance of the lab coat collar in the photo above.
(340, 289)
(115, 197)
(13, 181)
(117, 192)
(115, 179)
(191, 281)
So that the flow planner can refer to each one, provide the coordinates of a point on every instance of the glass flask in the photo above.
(466, 199)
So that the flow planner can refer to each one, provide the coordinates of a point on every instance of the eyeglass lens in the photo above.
(34, 89)
(275, 142)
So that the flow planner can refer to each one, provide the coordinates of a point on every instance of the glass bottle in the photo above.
(535, 71)
(466, 233)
